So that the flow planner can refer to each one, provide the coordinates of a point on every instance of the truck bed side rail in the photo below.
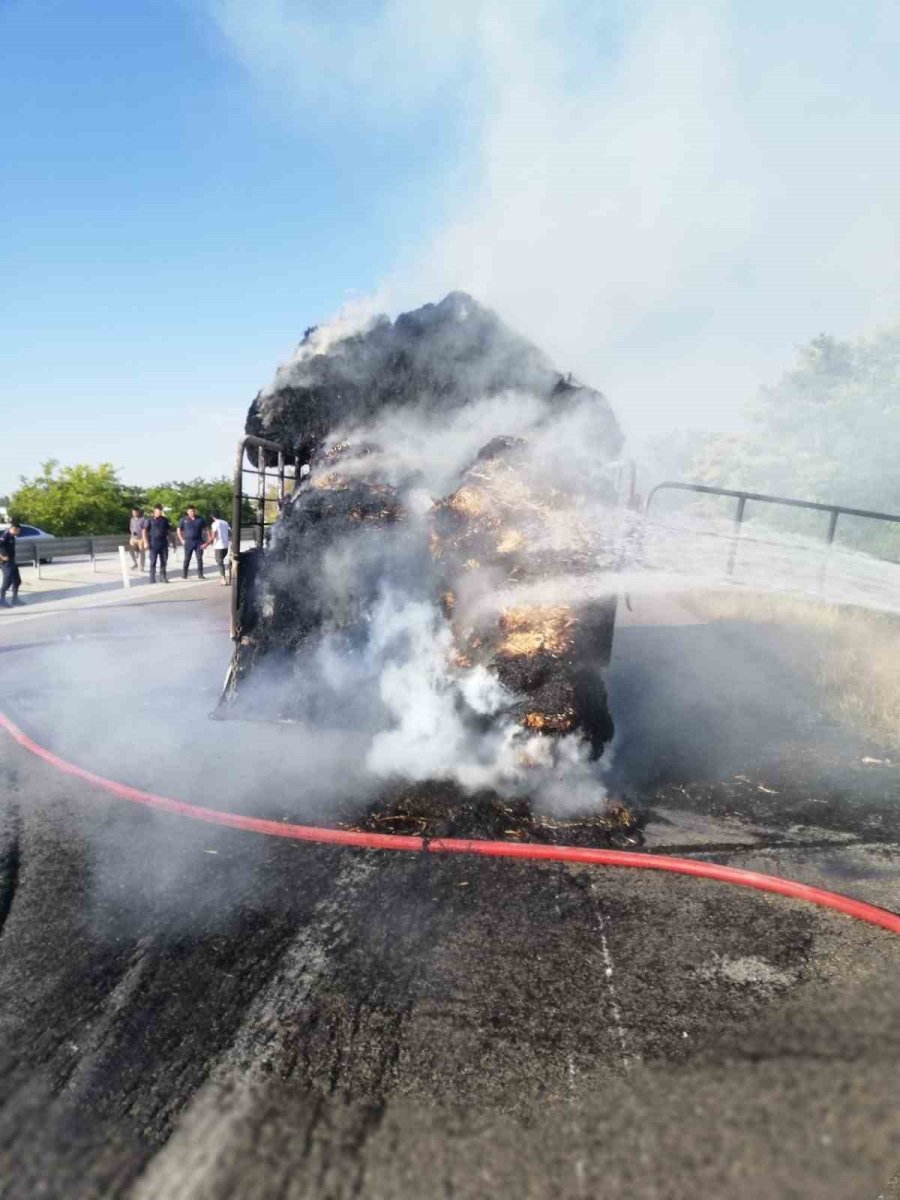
(273, 484)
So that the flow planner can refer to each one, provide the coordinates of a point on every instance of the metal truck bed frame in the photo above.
(279, 477)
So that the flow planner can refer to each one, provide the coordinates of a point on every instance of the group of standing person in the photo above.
(145, 534)
(156, 535)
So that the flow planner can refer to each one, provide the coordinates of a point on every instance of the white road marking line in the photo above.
(613, 997)
(570, 1076)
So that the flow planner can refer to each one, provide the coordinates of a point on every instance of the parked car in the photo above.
(31, 532)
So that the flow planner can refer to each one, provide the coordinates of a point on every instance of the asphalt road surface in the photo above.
(195, 1013)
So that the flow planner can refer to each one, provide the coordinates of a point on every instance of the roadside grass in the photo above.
(851, 654)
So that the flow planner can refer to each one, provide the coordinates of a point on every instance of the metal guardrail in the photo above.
(38, 550)
(836, 510)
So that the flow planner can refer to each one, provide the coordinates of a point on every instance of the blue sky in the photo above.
(669, 197)
(168, 232)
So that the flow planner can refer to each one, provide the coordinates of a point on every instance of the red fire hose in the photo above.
(385, 841)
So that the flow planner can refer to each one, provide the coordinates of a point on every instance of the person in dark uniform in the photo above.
(9, 572)
(192, 535)
(156, 539)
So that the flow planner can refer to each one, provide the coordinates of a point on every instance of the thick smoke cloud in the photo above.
(668, 198)
(675, 218)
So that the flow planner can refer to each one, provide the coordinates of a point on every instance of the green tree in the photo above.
(207, 496)
(81, 499)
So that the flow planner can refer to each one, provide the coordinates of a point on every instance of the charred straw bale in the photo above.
(440, 357)
(508, 522)
(335, 507)
(508, 512)
(503, 520)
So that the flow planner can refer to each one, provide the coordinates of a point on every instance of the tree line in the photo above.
(83, 499)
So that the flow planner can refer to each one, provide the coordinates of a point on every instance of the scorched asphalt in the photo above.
(192, 1012)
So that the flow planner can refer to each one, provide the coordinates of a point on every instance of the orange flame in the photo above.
(539, 627)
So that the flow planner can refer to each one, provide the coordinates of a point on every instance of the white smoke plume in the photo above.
(353, 317)
(667, 197)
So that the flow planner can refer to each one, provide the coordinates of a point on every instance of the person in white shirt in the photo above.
(220, 539)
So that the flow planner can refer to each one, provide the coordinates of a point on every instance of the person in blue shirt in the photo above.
(192, 535)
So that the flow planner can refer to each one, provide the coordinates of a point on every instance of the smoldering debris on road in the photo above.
(435, 809)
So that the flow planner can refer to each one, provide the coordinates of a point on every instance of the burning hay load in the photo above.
(433, 578)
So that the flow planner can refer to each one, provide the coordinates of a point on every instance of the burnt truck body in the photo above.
(345, 446)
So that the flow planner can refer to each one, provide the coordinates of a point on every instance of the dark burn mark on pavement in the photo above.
(10, 859)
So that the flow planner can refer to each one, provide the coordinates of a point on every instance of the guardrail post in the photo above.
(832, 525)
(738, 522)
(93, 557)
(829, 542)
(126, 578)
